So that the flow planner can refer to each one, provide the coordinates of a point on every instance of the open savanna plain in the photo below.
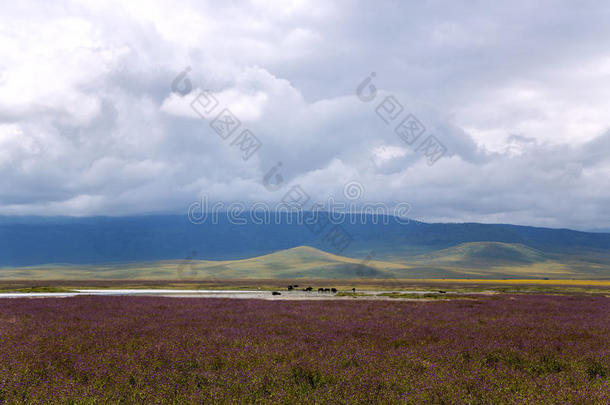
(344, 286)
(528, 347)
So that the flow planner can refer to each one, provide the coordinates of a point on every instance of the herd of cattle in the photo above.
(294, 287)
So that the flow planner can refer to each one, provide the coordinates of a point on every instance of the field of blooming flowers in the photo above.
(506, 349)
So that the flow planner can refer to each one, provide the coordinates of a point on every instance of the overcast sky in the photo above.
(517, 93)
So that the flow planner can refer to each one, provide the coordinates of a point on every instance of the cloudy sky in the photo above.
(95, 119)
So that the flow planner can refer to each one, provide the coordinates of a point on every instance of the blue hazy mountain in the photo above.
(26, 241)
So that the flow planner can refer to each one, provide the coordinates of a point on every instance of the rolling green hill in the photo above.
(486, 254)
(481, 260)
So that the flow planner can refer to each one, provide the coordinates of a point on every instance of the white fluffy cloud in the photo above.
(517, 93)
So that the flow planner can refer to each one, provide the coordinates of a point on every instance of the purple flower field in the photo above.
(506, 349)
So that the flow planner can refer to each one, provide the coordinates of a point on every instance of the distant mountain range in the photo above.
(229, 250)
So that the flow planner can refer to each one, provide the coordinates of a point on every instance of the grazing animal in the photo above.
(296, 286)
(309, 289)
(327, 290)
(290, 288)
(442, 292)
(320, 290)
(333, 290)
(354, 290)
(276, 293)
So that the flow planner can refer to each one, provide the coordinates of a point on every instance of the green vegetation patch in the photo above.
(42, 289)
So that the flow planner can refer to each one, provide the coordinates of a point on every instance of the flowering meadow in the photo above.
(501, 349)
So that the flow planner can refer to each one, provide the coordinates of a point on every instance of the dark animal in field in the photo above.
(309, 289)
(276, 293)
(354, 290)
(290, 288)
(333, 290)
(327, 290)
(296, 286)
(320, 290)
(442, 292)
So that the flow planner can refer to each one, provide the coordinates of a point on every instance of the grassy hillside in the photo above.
(302, 261)
(484, 255)
(480, 260)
